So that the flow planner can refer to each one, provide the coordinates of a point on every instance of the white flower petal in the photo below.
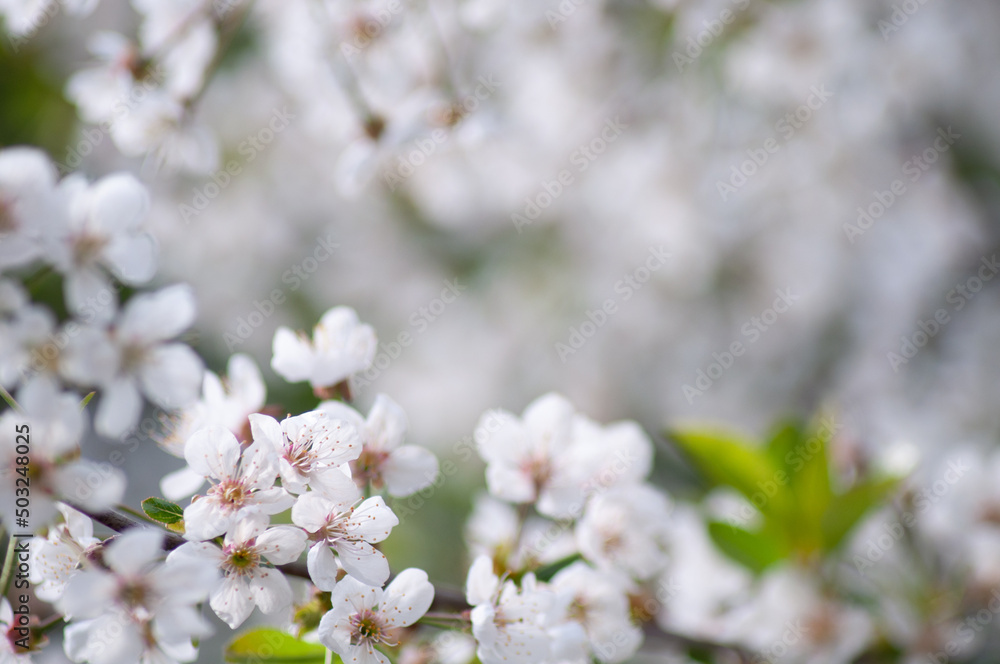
(407, 598)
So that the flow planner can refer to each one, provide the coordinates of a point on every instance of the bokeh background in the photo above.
(479, 107)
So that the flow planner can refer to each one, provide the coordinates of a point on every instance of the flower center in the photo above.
(367, 627)
(231, 493)
(133, 356)
(242, 560)
(367, 468)
(299, 455)
(539, 468)
(87, 247)
(135, 595)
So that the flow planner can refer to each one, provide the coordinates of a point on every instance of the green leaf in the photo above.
(756, 551)
(808, 466)
(847, 509)
(726, 458)
(162, 510)
(548, 571)
(262, 646)
(86, 400)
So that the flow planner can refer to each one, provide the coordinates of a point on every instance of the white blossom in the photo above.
(246, 562)
(241, 481)
(364, 616)
(348, 529)
(384, 460)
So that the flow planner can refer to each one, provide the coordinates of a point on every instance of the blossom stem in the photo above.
(120, 523)
(9, 399)
(8, 565)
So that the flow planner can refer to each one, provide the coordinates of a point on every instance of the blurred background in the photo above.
(669, 211)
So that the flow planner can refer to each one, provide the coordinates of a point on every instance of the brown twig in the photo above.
(120, 523)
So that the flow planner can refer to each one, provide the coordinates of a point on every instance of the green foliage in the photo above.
(788, 479)
(264, 646)
(163, 511)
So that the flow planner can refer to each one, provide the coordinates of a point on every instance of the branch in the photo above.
(120, 523)
(445, 597)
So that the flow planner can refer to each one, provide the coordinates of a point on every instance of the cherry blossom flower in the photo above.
(310, 449)
(241, 481)
(627, 528)
(54, 468)
(142, 357)
(601, 606)
(103, 230)
(341, 346)
(350, 531)
(510, 624)
(535, 459)
(384, 460)
(364, 617)
(29, 212)
(246, 560)
(10, 652)
(225, 402)
(137, 609)
(56, 557)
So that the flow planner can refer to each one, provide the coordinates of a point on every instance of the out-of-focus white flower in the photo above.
(627, 528)
(701, 584)
(103, 231)
(788, 619)
(493, 530)
(348, 530)
(139, 609)
(29, 213)
(246, 561)
(241, 482)
(10, 652)
(141, 356)
(509, 624)
(384, 460)
(364, 616)
(535, 458)
(341, 346)
(56, 557)
(27, 345)
(601, 606)
(225, 402)
(53, 422)
(310, 449)
(101, 93)
(159, 128)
